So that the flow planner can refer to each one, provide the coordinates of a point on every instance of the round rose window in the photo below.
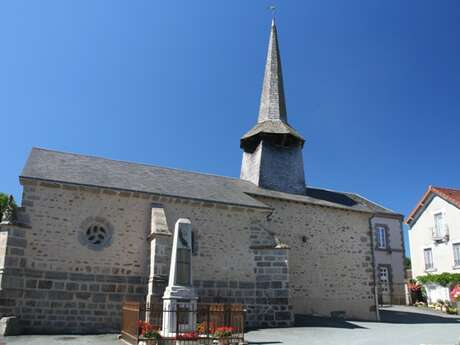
(96, 234)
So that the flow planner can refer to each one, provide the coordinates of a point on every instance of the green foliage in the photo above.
(443, 279)
(407, 263)
(451, 310)
(3, 202)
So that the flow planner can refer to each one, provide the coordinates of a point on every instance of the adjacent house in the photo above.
(389, 258)
(435, 232)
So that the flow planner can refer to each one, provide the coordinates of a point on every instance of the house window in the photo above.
(428, 254)
(438, 225)
(384, 278)
(457, 254)
(381, 236)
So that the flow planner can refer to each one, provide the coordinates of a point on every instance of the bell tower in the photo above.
(272, 156)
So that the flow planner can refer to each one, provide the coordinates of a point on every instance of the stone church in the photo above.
(93, 232)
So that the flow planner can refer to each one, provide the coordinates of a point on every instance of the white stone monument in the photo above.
(180, 299)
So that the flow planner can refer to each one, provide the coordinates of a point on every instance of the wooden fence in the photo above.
(210, 317)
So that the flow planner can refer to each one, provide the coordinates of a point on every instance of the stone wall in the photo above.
(266, 299)
(62, 302)
(56, 215)
(58, 262)
(330, 264)
(12, 244)
(69, 287)
(234, 260)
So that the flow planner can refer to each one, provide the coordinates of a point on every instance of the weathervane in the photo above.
(272, 8)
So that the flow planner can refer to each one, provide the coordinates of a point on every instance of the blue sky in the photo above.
(373, 86)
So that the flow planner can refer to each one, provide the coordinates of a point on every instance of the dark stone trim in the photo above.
(124, 191)
(67, 302)
(387, 237)
(269, 247)
(371, 234)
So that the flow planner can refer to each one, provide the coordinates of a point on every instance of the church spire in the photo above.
(272, 118)
(272, 156)
(272, 102)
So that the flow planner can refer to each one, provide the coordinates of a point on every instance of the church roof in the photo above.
(62, 167)
(272, 110)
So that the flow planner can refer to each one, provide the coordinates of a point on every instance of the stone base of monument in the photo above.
(10, 325)
(179, 311)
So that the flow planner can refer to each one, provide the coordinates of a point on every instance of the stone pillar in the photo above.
(160, 253)
(272, 287)
(12, 266)
(180, 299)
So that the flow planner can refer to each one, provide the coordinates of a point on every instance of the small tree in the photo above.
(3, 203)
(407, 263)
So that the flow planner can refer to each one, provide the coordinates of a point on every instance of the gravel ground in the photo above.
(399, 326)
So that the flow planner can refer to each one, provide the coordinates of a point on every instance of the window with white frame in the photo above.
(428, 255)
(381, 236)
(456, 254)
(438, 224)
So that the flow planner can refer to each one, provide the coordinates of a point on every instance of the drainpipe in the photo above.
(376, 297)
(406, 293)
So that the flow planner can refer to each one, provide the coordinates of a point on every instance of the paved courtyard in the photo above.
(400, 326)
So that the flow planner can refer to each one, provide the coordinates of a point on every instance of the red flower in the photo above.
(223, 331)
(147, 330)
(414, 287)
(455, 293)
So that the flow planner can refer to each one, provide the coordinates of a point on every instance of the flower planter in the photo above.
(186, 342)
(458, 307)
(224, 341)
(148, 342)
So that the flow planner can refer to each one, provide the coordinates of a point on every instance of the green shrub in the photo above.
(444, 279)
(3, 203)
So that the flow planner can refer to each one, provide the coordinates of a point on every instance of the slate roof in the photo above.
(272, 127)
(449, 194)
(55, 166)
(272, 110)
(272, 100)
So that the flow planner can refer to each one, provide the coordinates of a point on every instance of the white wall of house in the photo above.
(436, 292)
(421, 238)
(391, 257)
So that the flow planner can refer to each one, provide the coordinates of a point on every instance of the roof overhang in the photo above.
(271, 129)
(425, 200)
